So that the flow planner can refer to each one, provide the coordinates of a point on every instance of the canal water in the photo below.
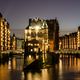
(67, 69)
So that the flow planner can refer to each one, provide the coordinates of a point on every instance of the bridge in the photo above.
(68, 52)
(4, 55)
(17, 51)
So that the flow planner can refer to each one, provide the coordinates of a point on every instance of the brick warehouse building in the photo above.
(42, 35)
(4, 34)
(53, 33)
(70, 41)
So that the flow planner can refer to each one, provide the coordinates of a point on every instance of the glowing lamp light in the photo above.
(37, 56)
(31, 50)
(37, 27)
(29, 56)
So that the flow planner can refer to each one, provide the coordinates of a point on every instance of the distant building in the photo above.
(13, 42)
(4, 34)
(17, 43)
(78, 38)
(20, 43)
(70, 41)
(42, 35)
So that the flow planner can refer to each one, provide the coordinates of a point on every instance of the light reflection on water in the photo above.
(42, 75)
(4, 72)
(67, 69)
(12, 70)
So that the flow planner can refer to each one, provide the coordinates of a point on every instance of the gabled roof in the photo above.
(27, 27)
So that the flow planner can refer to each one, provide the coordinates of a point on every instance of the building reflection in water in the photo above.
(60, 68)
(67, 69)
(9, 64)
(4, 72)
(45, 72)
(12, 63)
(42, 75)
(15, 64)
(12, 70)
(71, 63)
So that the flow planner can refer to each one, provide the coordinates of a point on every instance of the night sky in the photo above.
(18, 12)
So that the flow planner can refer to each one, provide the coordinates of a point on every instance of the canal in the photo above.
(68, 68)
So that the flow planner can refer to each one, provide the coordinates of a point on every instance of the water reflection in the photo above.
(43, 74)
(67, 69)
(15, 63)
(32, 76)
(4, 72)
(13, 69)
(71, 63)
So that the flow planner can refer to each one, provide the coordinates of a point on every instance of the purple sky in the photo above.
(18, 12)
